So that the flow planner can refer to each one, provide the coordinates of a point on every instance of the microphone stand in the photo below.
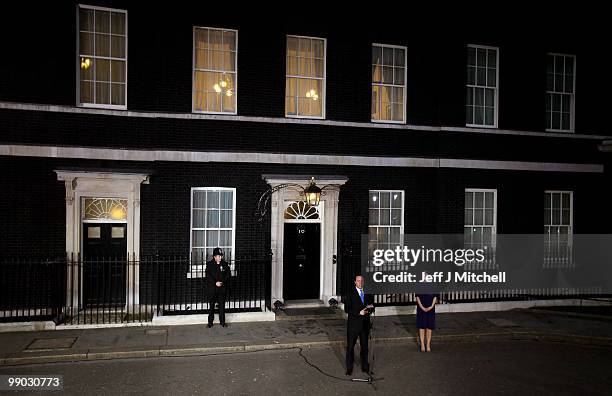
(370, 380)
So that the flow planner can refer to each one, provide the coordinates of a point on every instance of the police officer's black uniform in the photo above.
(217, 273)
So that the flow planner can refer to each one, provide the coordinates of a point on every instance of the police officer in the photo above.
(217, 275)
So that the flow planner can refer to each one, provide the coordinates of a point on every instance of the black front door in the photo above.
(104, 263)
(301, 261)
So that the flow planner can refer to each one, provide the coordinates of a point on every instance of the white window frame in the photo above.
(494, 226)
(193, 71)
(324, 85)
(572, 97)
(401, 226)
(403, 121)
(78, 60)
(571, 207)
(196, 270)
(496, 92)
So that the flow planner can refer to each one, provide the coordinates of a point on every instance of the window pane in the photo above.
(318, 49)
(478, 216)
(478, 199)
(385, 217)
(212, 200)
(376, 55)
(102, 21)
(400, 57)
(481, 59)
(87, 72)
(292, 46)
(201, 59)
(481, 76)
(102, 93)
(469, 217)
(489, 200)
(199, 199)
(226, 219)
(199, 218)
(212, 218)
(102, 45)
(556, 216)
(374, 217)
(492, 60)
(471, 58)
(229, 60)
(102, 68)
(215, 38)
(225, 238)
(117, 71)
(489, 116)
(565, 200)
(86, 43)
(229, 40)
(216, 60)
(118, 23)
(385, 200)
(86, 93)
(86, 19)
(388, 56)
(556, 201)
(489, 217)
(565, 217)
(227, 199)
(469, 199)
(471, 75)
(396, 200)
(478, 116)
(396, 217)
(118, 46)
(374, 199)
(118, 94)
(387, 76)
(212, 238)
(398, 75)
(491, 78)
(198, 238)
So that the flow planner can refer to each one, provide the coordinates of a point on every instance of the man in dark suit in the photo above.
(358, 305)
(217, 275)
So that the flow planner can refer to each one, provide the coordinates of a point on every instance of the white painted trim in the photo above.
(329, 231)
(193, 273)
(494, 226)
(78, 56)
(375, 127)
(572, 128)
(290, 159)
(80, 184)
(496, 113)
(404, 86)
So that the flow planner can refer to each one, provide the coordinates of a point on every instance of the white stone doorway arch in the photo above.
(329, 230)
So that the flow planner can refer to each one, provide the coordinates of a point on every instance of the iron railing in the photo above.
(73, 290)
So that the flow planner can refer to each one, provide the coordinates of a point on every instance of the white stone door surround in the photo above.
(80, 184)
(329, 229)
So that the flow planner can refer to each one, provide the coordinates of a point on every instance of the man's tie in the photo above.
(361, 295)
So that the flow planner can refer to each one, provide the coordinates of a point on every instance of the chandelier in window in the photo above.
(218, 87)
(312, 94)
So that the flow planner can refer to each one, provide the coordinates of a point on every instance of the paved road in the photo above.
(515, 367)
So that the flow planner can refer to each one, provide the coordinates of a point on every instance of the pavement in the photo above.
(31, 347)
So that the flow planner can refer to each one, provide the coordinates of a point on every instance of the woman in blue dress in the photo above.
(426, 318)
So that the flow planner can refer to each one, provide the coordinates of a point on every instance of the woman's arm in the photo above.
(420, 305)
(433, 303)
